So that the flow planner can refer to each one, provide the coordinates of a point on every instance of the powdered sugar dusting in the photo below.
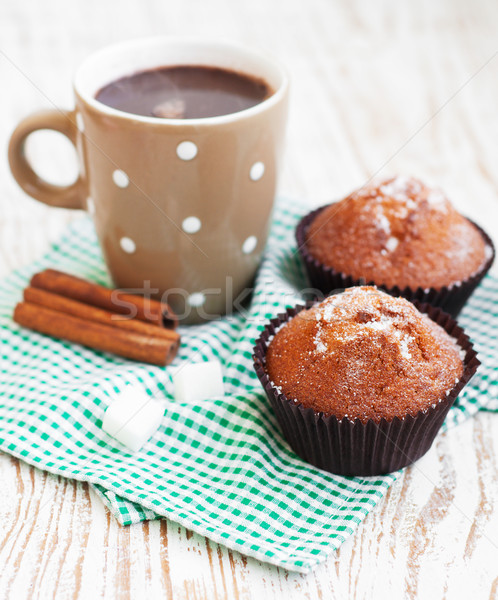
(405, 191)
(382, 221)
(438, 200)
(461, 243)
(392, 243)
(362, 312)
(401, 188)
(381, 325)
(319, 343)
(366, 354)
(404, 341)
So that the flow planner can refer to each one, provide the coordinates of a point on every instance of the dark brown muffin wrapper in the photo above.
(350, 447)
(325, 279)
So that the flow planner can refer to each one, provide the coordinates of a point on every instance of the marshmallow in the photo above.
(198, 381)
(133, 417)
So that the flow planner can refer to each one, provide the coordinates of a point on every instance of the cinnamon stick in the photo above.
(155, 350)
(131, 305)
(92, 313)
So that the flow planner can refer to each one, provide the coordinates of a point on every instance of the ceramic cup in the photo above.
(181, 207)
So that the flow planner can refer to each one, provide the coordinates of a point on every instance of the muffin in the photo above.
(398, 234)
(362, 381)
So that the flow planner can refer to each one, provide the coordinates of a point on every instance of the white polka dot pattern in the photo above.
(120, 178)
(127, 245)
(257, 171)
(186, 150)
(249, 244)
(90, 206)
(191, 225)
(196, 299)
(79, 122)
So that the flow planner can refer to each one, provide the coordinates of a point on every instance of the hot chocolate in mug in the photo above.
(181, 206)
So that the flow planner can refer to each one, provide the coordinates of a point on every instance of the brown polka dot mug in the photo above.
(181, 206)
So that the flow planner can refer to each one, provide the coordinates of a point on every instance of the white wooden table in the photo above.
(377, 87)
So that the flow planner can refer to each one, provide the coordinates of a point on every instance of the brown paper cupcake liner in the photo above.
(350, 447)
(325, 279)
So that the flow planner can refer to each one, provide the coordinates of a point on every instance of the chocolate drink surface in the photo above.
(184, 92)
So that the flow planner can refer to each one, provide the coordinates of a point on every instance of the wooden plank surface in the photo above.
(377, 88)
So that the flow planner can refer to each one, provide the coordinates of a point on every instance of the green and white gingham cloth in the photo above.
(221, 467)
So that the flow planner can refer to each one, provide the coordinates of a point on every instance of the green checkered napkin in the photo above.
(220, 468)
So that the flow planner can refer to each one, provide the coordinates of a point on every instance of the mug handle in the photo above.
(67, 196)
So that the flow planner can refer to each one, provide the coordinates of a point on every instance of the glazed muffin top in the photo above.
(398, 232)
(364, 354)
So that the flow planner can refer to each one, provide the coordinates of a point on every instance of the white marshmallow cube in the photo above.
(198, 381)
(133, 417)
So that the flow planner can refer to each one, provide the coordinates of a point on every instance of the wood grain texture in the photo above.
(377, 88)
